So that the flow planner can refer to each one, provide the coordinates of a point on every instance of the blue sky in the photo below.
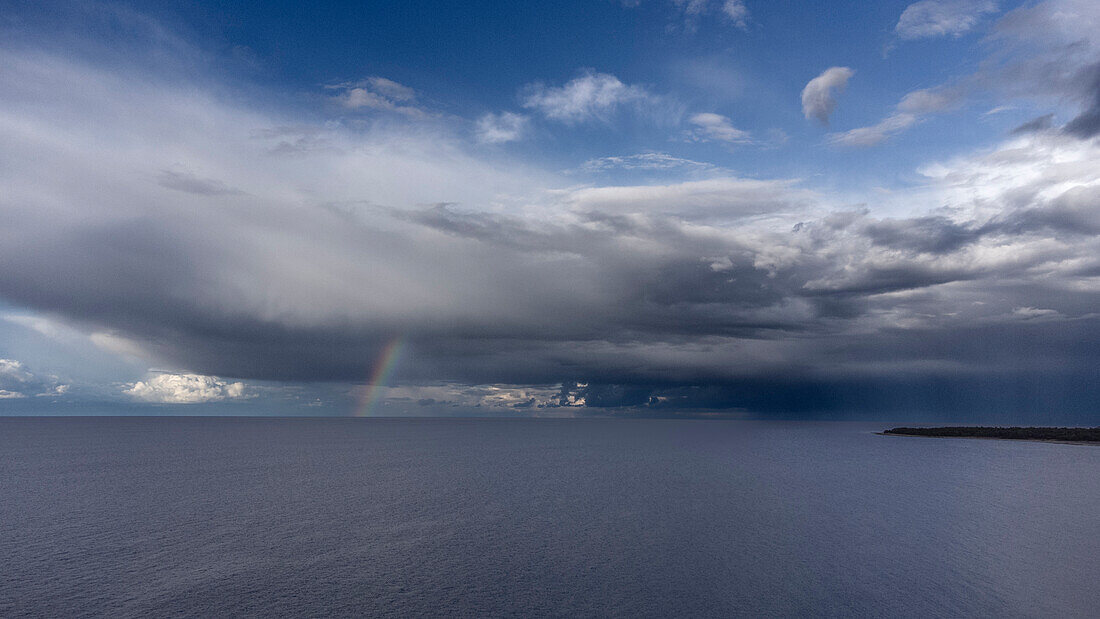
(625, 206)
(470, 59)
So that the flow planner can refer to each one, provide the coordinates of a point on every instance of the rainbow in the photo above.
(383, 367)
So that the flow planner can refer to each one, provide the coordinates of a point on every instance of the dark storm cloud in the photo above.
(668, 304)
(723, 293)
(1051, 400)
(933, 235)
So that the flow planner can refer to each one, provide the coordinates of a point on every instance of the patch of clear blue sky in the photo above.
(58, 348)
(470, 58)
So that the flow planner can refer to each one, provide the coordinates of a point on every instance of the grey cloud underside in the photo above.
(1041, 123)
(189, 183)
(1087, 124)
(299, 253)
(603, 300)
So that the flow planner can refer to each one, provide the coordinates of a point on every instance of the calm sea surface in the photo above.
(383, 517)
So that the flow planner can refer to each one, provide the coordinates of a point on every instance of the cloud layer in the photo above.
(262, 247)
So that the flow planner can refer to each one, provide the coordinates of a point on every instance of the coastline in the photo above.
(992, 438)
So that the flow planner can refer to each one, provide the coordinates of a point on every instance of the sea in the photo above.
(284, 517)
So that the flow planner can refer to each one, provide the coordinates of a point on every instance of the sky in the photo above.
(735, 208)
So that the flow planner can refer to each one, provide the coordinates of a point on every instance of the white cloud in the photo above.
(16, 381)
(391, 89)
(912, 107)
(379, 94)
(692, 11)
(927, 101)
(819, 95)
(592, 96)
(711, 199)
(169, 388)
(1036, 166)
(403, 169)
(718, 128)
(692, 7)
(62, 332)
(13, 371)
(117, 344)
(645, 161)
(935, 18)
(1044, 50)
(1035, 313)
(500, 128)
(736, 11)
(508, 396)
(502, 397)
(870, 136)
(55, 390)
(44, 326)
